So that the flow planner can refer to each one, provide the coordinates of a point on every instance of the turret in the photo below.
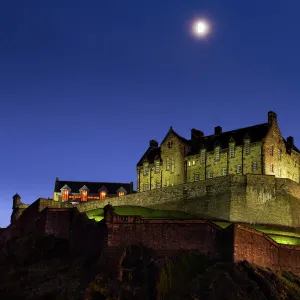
(16, 201)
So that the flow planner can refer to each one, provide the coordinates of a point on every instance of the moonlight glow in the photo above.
(201, 28)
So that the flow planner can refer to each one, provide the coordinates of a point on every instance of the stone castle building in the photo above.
(258, 149)
(82, 191)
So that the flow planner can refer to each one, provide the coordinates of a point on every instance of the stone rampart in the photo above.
(256, 199)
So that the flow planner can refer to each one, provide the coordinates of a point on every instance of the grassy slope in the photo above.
(281, 236)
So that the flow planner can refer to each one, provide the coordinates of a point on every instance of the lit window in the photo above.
(83, 195)
(173, 165)
(224, 171)
(238, 169)
(231, 151)
(65, 195)
(146, 169)
(196, 177)
(254, 166)
(217, 153)
(279, 172)
(121, 193)
(158, 185)
(202, 157)
(102, 195)
(167, 164)
(272, 168)
(271, 150)
(247, 147)
(189, 163)
(279, 154)
(157, 167)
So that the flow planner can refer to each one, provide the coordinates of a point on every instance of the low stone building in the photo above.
(82, 191)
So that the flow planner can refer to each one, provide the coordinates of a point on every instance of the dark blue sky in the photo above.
(84, 85)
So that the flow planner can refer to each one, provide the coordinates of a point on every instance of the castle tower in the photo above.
(18, 208)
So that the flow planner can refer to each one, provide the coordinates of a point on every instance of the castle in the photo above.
(249, 175)
(258, 149)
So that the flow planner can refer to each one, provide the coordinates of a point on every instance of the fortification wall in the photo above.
(256, 247)
(210, 197)
(249, 198)
(167, 235)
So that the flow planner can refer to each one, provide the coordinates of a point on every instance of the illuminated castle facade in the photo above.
(258, 149)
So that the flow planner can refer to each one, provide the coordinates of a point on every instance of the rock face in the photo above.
(43, 268)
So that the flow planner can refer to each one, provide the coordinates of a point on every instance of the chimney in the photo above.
(218, 130)
(290, 140)
(272, 117)
(195, 133)
(153, 144)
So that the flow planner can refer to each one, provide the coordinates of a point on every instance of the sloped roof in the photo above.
(255, 133)
(171, 130)
(150, 155)
(93, 187)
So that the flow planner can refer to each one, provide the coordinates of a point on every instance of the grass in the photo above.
(281, 236)
(127, 210)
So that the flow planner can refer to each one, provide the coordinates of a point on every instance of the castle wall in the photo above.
(249, 198)
(169, 235)
(256, 247)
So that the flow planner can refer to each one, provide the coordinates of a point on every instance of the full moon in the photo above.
(201, 28)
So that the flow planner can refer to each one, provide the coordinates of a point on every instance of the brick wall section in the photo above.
(256, 247)
(203, 236)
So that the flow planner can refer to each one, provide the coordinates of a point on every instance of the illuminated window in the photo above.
(224, 171)
(271, 150)
(172, 165)
(65, 195)
(238, 169)
(217, 153)
(146, 169)
(193, 162)
(167, 164)
(189, 163)
(102, 195)
(279, 154)
(254, 166)
(196, 177)
(231, 150)
(202, 157)
(157, 167)
(121, 194)
(83, 195)
(247, 147)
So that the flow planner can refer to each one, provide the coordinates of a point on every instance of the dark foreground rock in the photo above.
(42, 268)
